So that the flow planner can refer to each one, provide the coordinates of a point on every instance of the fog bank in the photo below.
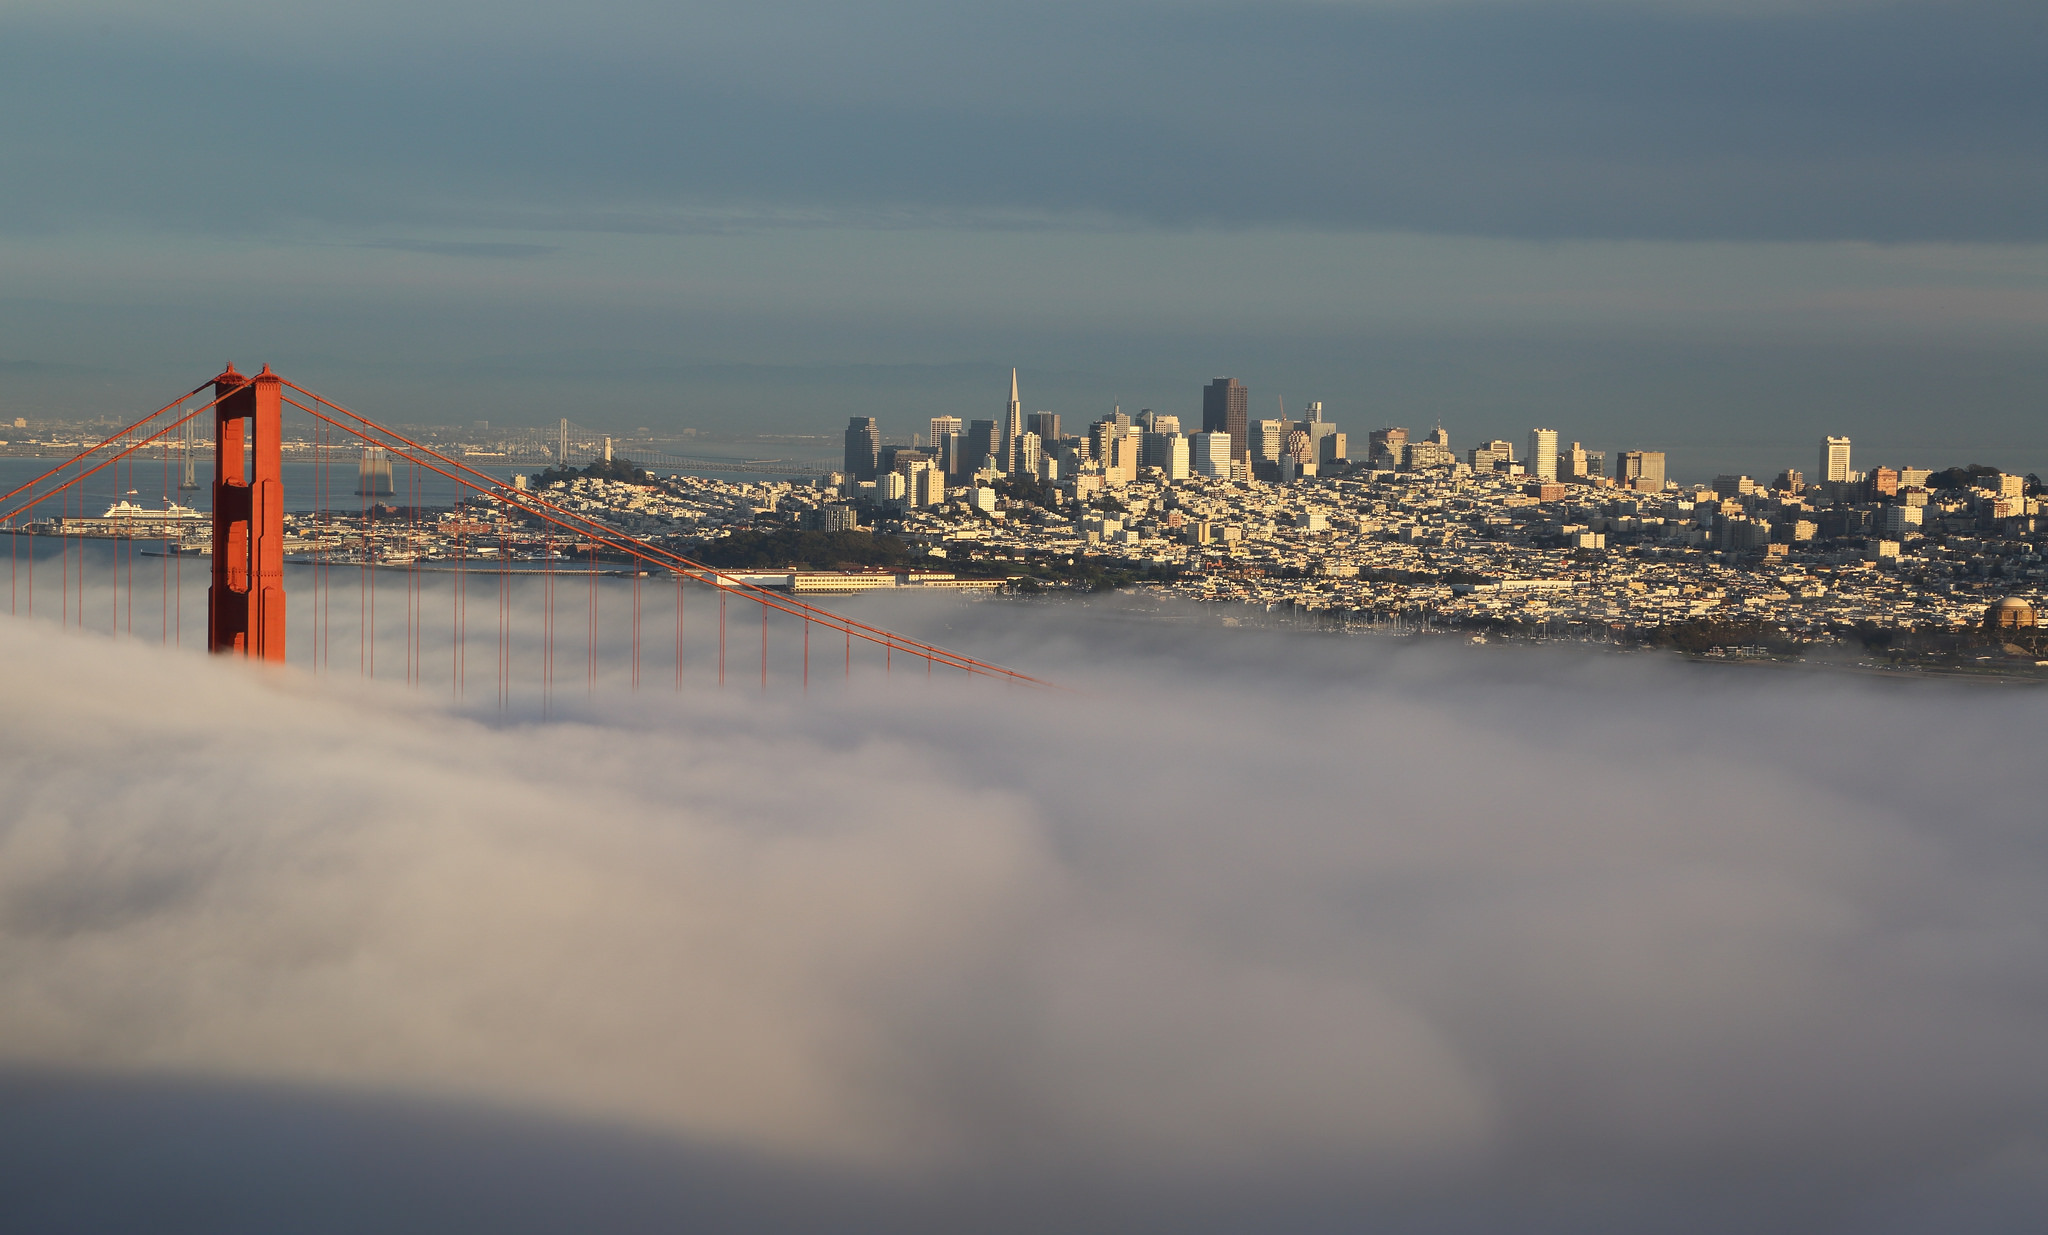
(1250, 928)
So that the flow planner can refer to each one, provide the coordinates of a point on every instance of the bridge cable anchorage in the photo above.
(600, 534)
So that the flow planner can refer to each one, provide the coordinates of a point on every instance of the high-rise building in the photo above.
(1441, 436)
(1211, 454)
(1834, 458)
(1267, 438)
(948, 448)
(928, 487)
(1047, 426)
(1174, 463)
(863, 447)
(1313, 414)
(984, 442)
(1543, 454)
(1226, 408)
(1013, 428)
(1426, 453)
(899, 459)
(1641, 470)
(941, 426)
(1025, 456)
(1384, 447)
(1571, 461)
(373, 474)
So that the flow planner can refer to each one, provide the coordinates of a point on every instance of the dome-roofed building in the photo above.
(2014, 612)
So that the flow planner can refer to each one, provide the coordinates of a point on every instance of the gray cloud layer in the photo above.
(1891, 121)
(1338, 930)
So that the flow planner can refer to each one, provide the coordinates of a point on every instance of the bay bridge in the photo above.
(500, 545)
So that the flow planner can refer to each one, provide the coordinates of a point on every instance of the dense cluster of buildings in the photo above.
(1540, 535)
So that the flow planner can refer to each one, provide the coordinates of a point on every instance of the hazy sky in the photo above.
(1721, 228)
(1325, 934)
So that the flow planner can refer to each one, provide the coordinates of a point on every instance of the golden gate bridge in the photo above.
(245, 594)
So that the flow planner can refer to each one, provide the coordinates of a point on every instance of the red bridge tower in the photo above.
(245, 605)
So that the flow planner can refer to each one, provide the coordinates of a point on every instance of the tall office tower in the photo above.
(1212, 455)
(1441, 436)
(1162, 423)
(948, 450)
(189, 480)
(1543, 454)
(1385, 446)
(1174, 463)
(1027, 454)
(928, 486)
(1226, 407)
(1641, 470)
(1013, 428)
(899, 459)
(941, 426)
(1501, 449)
(863, 447)
(1099, 436)
(1267, 438)
(984, 439)
(1834, 458)
(1578, 463)
(373, 474)
(1047, 426)
(1126, 453)
(1313, 414)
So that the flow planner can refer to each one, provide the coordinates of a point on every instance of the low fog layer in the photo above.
(1318, 930)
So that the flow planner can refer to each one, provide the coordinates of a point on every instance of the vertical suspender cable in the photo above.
(590, 664)
(504, 620)
(547, 624)
(363, 592)
(128, 544)
(455, 613)
(164, 593)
